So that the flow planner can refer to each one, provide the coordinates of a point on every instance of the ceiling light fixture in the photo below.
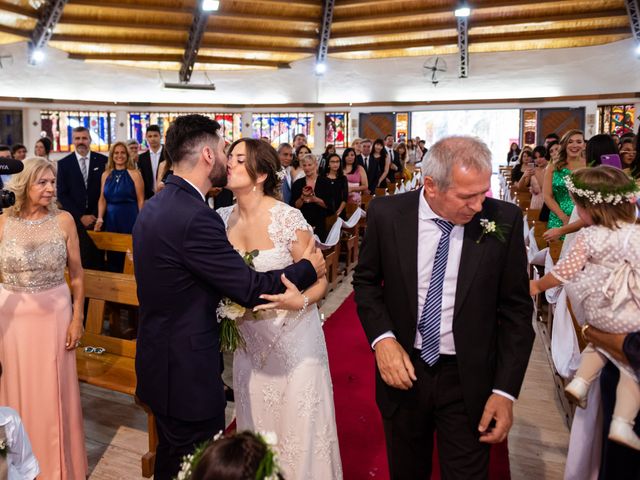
(210, 5)
(321, 68)
(37, 56)
(638, 49)
(462, 11)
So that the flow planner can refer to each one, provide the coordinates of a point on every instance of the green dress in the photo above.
(561, 196)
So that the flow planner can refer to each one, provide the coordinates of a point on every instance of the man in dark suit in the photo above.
(446, 307)
(78, 188)
(148, 161)
(184, 265)
(370, 166)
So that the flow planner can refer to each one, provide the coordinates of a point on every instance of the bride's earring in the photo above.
(254, 188)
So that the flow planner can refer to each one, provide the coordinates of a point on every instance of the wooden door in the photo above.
(377, 125)
(559, 120)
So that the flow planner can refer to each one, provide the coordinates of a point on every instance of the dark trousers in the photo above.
(177, 438)
(618, 462)
(435, 403)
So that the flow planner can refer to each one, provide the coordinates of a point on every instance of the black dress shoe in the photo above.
(228, 394)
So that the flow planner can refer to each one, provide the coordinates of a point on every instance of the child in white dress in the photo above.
(601, 273)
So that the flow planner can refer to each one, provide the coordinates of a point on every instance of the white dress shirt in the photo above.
(428, 237)
(197, 189)
(155, 161)
(21, 463)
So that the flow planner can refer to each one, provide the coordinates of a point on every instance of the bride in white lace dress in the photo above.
(281, 380)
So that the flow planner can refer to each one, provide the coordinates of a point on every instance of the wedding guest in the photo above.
(339, 188)
(556, 195)
(121, 198)
(533, 177)
(380, 156)
(357, 181)
(617, 461)
(19, 151)
(296, 168)
(628, 157)
(165, 168)
(524, 159)
(513, 154)
(412, 151)
(596, 147)
(299, 140)
(311, 194)
(401, 152)
(39, 327)
(552, 137)
(42, 148)
(285, 154)
(134, 148)
(329, 150)
(149, 161)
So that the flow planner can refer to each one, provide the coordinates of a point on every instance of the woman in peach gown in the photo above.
(39, 329)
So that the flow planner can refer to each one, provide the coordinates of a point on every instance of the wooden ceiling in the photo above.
(249, 34)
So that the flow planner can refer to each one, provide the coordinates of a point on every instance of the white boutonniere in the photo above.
(489, 227)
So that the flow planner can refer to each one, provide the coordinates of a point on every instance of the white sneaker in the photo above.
(577, 391)
(621, 431)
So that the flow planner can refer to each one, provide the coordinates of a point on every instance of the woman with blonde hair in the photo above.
(556, 196)
(39, 327)
(121, 198)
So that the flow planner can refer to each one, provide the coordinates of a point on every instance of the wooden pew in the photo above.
(115, 242)
(115, 368)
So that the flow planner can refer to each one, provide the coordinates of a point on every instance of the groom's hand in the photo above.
(394, 364)
(314, 255)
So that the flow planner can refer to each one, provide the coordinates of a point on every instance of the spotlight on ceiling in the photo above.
(37, 55)
(321, 68)
(462, 11)
(638, 49)
(210, 5)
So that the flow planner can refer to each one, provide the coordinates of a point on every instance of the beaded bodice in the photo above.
(33, 254)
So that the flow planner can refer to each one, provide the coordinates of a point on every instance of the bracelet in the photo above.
(583, 330)
(305, 305)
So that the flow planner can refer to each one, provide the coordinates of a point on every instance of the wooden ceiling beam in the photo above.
(25, 12)
(189, 11)
(15, 31)
(288, 3)
(151, 42)
(451, 24)
(182, 27)
(176, 58)
(484, 38)
(420, 11)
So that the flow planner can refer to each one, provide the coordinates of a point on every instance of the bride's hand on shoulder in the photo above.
(291, 299)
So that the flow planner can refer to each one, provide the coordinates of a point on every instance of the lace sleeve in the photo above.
(575, 260)
(225, 213)
(288, 222)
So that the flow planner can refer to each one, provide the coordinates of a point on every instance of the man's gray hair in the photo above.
(464, 151)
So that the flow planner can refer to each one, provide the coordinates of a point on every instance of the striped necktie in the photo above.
(429, 323)
(84, 169)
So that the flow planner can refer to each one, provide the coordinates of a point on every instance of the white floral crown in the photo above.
(626, 193)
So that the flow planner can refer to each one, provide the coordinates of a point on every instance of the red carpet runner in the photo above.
(360, 433)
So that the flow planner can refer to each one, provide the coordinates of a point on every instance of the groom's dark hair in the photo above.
(186, 135)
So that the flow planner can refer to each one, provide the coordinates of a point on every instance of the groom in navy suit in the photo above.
(184, 265)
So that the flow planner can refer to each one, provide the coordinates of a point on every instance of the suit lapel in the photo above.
(470, 260)
(406, 232)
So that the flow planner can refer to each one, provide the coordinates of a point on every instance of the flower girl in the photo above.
(602, 274)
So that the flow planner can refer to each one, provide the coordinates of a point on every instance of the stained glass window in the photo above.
(231, 123)
(617, 119)
(336, 129)
(58, 126)
(282, 127)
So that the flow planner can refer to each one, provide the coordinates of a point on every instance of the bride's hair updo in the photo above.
(261, 159)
